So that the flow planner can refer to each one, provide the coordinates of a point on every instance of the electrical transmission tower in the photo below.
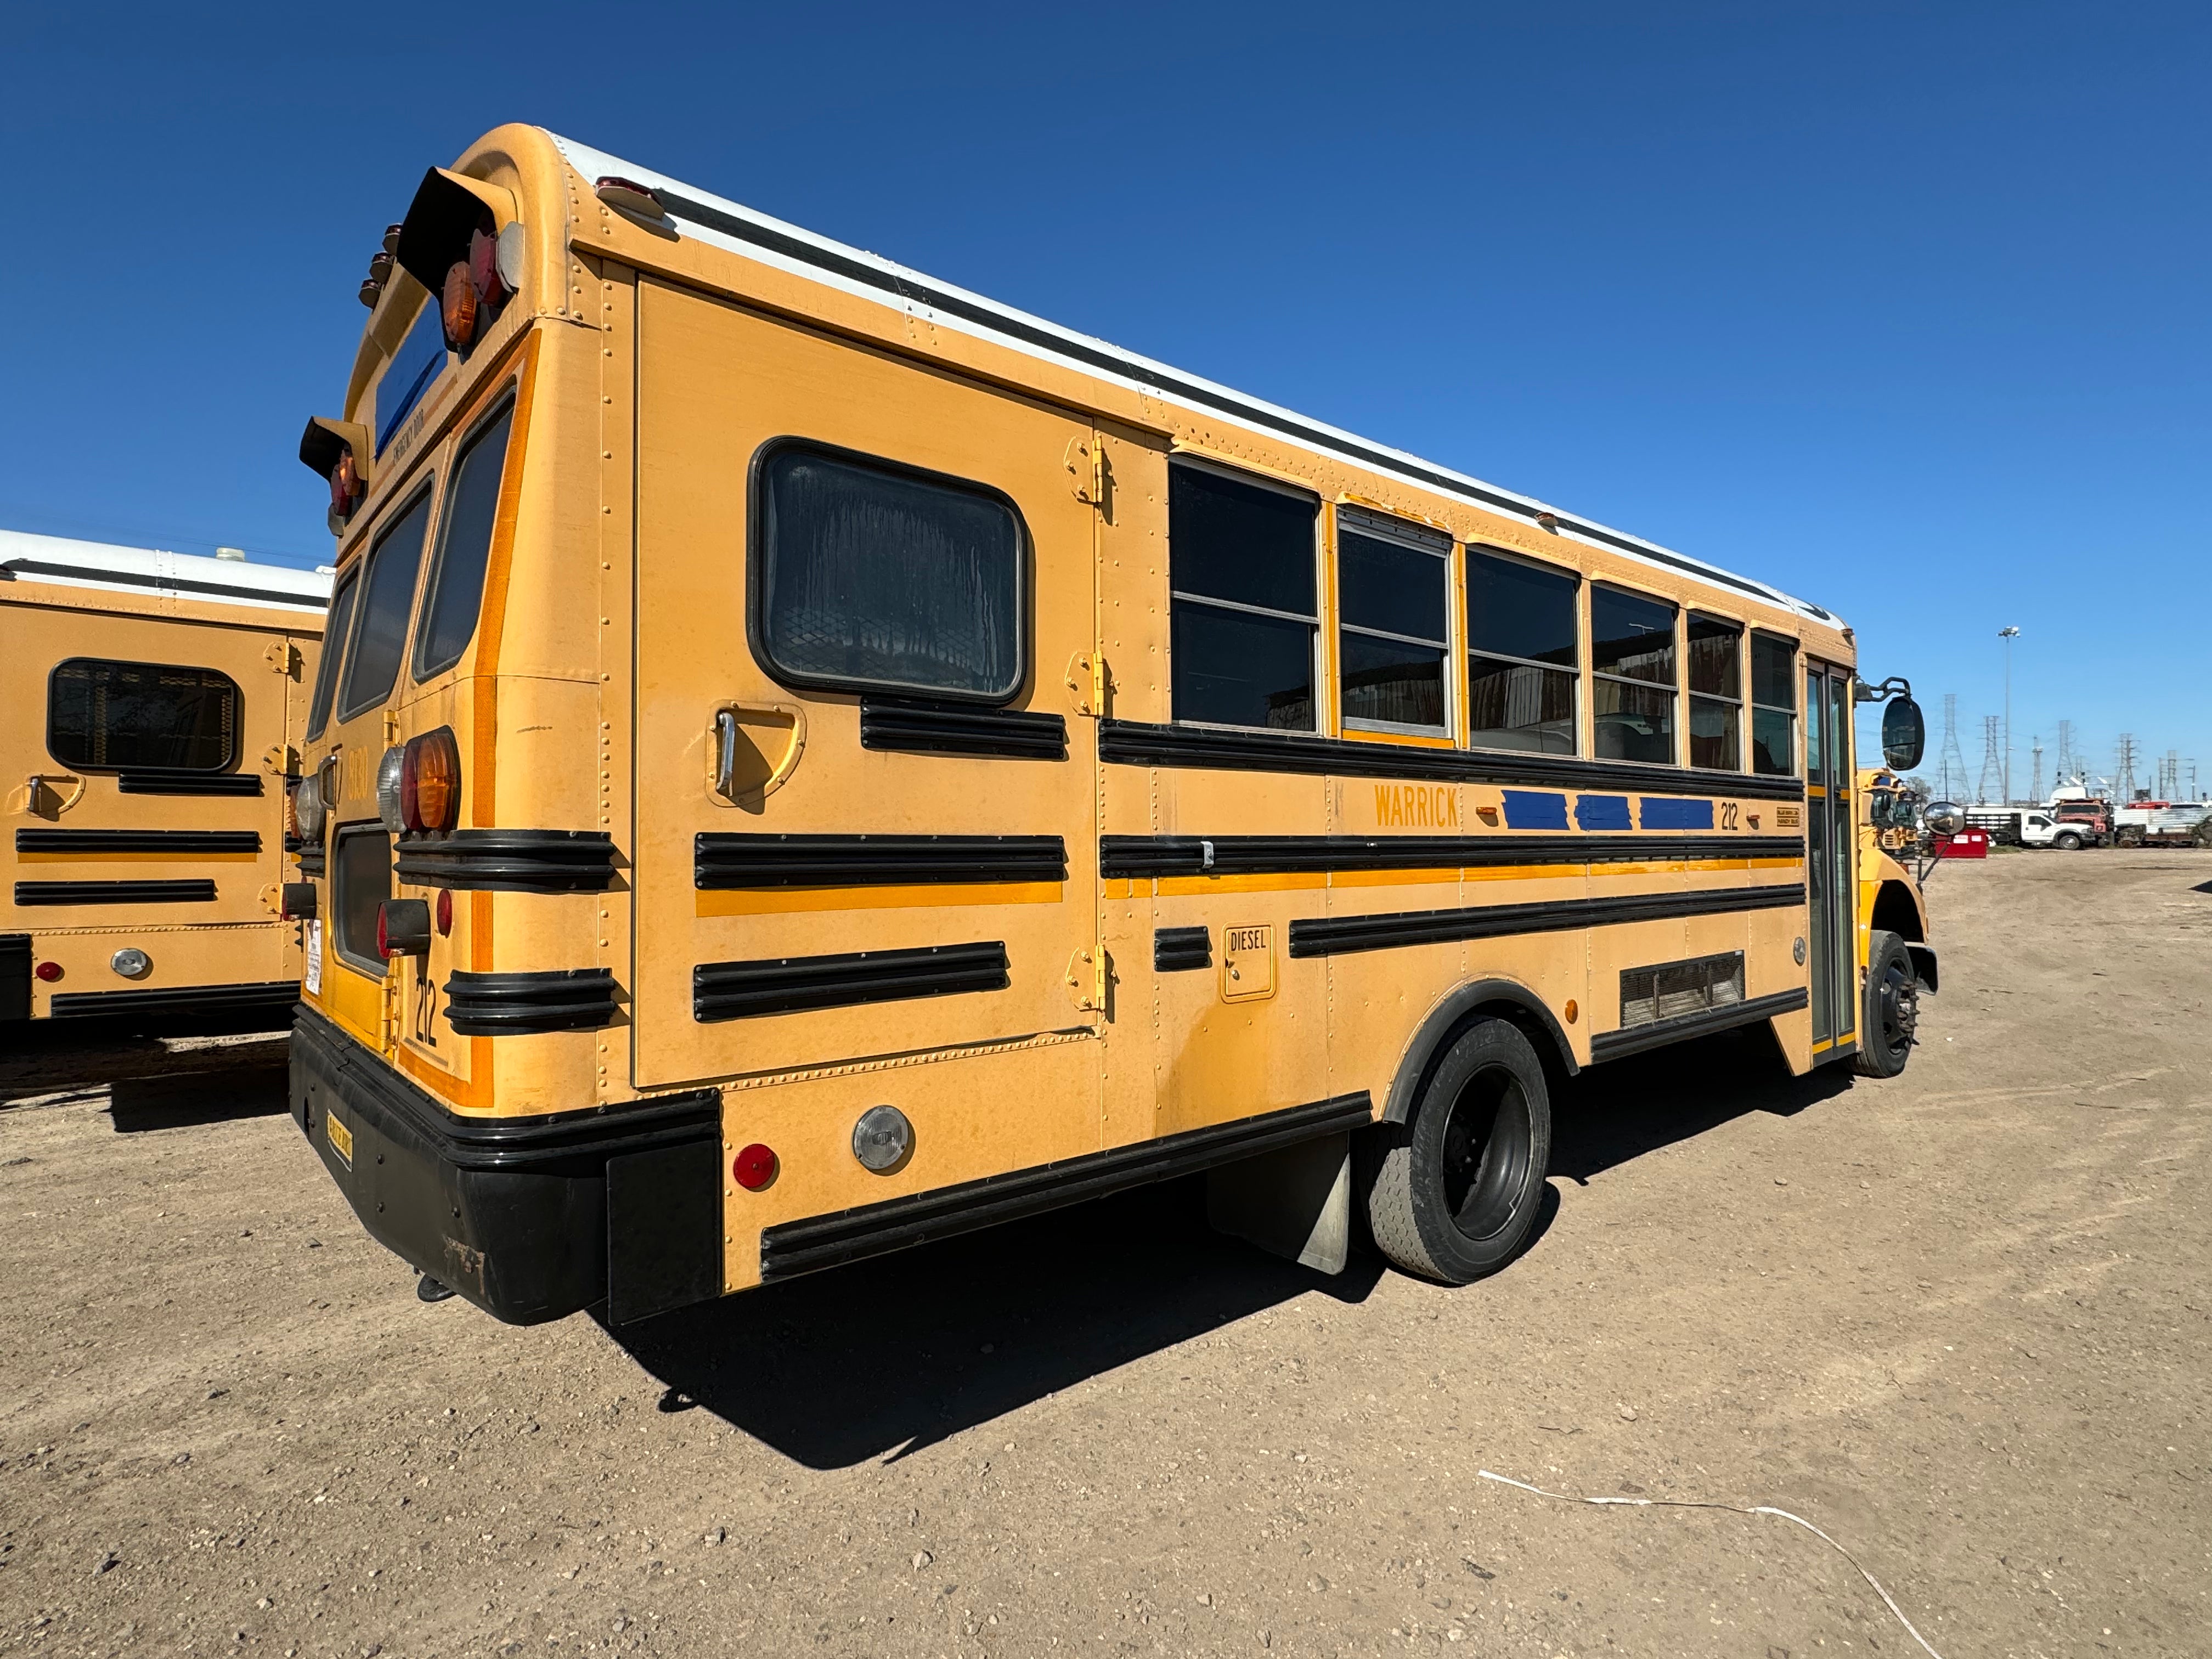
(2126, 768)
(1951, 767)
(2069, 766)
(2035, 787)
(2169, 776)
(1992, 760)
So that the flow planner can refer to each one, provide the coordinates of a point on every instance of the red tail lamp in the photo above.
(346, 490)
(445, 911)
(754, 1168)
(431, 782)
(51, 971)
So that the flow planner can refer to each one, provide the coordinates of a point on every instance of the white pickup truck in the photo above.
(2040, 829)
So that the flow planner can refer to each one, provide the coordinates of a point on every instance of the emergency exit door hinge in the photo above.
(1088, 974)
(1086, 470)
(1088, 682)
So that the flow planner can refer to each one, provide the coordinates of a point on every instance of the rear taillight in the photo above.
(431, 782)
(458, 307)
(474, 289)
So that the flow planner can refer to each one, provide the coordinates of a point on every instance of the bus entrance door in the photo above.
(865, 826)
(1832, 894)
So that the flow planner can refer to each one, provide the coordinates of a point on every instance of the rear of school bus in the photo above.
(156, 704)
(706, 901)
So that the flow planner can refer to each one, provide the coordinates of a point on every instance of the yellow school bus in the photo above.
(811, 761)
(156, 703)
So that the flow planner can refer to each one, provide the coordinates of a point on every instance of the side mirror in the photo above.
(1904, 734)
(1943, 818)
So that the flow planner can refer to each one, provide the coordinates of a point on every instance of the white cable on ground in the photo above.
(1739, 1508)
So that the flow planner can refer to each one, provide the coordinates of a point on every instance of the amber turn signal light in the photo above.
(431, 782)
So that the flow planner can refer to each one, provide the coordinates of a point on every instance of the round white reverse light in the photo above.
(130, 961)
(882, 1139)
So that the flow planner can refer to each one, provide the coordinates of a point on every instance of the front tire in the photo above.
(2069, 843)
(1454, 1195)
(1891, 1010)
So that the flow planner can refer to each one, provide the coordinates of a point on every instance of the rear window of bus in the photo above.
(387, 594)
(104, 716)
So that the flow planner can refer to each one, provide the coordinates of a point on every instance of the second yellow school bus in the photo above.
(809, 760)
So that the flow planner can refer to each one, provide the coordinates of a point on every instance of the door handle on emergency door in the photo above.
(756, 748)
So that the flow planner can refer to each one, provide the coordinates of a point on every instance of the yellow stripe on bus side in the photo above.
(137, 858)
(784, 900)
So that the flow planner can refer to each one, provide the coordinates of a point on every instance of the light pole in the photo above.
(2008, 634)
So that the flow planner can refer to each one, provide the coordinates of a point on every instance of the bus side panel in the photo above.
(234, 938)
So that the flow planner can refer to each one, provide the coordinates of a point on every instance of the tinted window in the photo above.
(1522, 655)
(1774, 706)
(326, 671)
(104, 716)
(412, 369)
(1241, 565)
(1715, 675)
(1392, 593)
(361, 874)
(1515, 609)
(1240, 542)
(387, 592)
(1631, 635)
(870, 574)
(457, 578)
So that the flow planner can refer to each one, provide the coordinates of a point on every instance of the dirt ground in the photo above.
(1958, 1320)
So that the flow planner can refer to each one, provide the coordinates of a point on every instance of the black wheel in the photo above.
(1892, 1007)
(2069, 843)
(1453, 1194)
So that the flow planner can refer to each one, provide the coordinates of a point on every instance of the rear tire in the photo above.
(1891, 1010)
(1453, 1194)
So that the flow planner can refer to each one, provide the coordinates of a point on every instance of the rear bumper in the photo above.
(530, 1219)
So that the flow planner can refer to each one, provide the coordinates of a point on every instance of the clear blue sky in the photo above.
(1901, 307)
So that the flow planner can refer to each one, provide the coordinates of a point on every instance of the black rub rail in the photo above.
(114, 892)
(1132, 743)
(941, 728)
(741, 990)
(1139, 856)
(725, 861)
(830, 1241)
(179, 843)
(1179, 950)
(1337, 935)
(516, 1004)
(189, 783)
(512, 861)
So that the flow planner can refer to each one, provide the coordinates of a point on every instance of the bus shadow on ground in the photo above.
(1615, 1113)
(884, 1358)
(257, 1085)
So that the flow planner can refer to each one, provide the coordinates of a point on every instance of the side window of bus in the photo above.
(104, 716)
(867, 574)
(387, 594)
(1243, 618)
(1524, 654)
(455, 592)
(1633, 676)
(334, 638)
(1393, 592)
(1773, 706)
(1715, 667)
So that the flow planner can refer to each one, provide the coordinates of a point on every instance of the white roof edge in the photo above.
(592, 163)
(64, 562)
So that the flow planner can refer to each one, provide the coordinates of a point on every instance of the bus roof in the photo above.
(727, 224)
(144, 570)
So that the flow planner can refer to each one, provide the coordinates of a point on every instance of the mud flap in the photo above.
(1295, 1203)
(663, 1230)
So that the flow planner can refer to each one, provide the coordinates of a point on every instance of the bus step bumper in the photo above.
(531, 1219)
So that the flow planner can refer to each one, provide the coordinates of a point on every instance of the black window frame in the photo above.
(1415, 538)
(1571, 671)
(756, 575)
(1313, 624)
(504, 404)
(374, 967)
(1671, 688)
(423, 491)
(237, 719)
(1740, 703)
(1793, 676)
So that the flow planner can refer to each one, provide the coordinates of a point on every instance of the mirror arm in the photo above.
(1895, 686)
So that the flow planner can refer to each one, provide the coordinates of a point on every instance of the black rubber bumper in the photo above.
(530, 1219)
